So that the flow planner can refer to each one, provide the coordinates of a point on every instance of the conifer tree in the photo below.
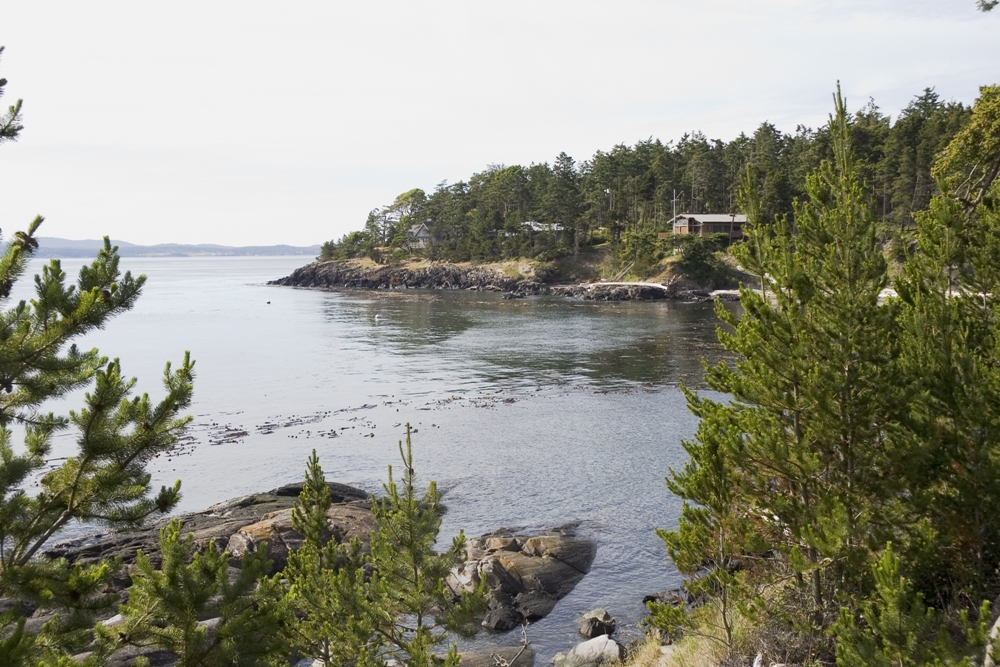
(116, 435)
(167, 607)
(715, 537)
(900, 630)
(949, 290)
(391, 603)
(409, 576)
(10, 122)
(796, 463)
(327, 584)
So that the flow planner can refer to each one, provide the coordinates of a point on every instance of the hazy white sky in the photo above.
(247, 122)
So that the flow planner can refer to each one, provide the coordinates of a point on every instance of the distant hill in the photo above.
(50, 246)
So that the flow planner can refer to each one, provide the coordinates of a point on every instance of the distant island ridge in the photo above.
(50, 246)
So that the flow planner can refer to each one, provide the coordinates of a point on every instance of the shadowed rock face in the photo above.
(526, 575)
(436, 276)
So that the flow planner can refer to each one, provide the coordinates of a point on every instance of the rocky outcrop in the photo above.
(217, 524)
(347, 521)
(526, 575)
(439, 275)
(676, 291)
(443, 275)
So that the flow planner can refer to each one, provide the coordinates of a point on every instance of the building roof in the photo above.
(711, 217)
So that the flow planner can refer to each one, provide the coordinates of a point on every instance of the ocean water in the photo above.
(530, 413)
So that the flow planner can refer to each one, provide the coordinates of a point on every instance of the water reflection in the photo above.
(409, 322)
(536, 341)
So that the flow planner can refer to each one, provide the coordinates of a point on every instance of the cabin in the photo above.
(706, 224)
(418, 237)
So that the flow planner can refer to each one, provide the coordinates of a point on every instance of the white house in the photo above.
(418, 237)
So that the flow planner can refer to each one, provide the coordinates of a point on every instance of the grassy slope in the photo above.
(597, 263)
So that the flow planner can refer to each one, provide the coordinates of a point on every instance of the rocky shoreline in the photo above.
(443, 275)
(525, 574)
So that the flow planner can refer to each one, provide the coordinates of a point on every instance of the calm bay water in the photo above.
(531, 413)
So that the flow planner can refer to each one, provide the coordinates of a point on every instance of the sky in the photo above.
(245, 122)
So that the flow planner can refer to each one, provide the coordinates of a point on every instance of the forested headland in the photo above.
(626, 195)
(840, 492)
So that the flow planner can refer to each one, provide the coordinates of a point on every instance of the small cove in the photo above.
(530, 413)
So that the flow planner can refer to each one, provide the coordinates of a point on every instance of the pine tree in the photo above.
(357, 608)
(10, 123)
(168, 607)
(715, 537)
(561, 201)
(117, 434)
(900, 630)
(409, 576)
(327, 584)
(951, 316)
(861, 443)
(796, 463)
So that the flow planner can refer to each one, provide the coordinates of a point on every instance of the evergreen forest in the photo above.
(631, 192)
(841, 490)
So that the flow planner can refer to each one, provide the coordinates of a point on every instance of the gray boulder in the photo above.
(593, 652)
(595, 623)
